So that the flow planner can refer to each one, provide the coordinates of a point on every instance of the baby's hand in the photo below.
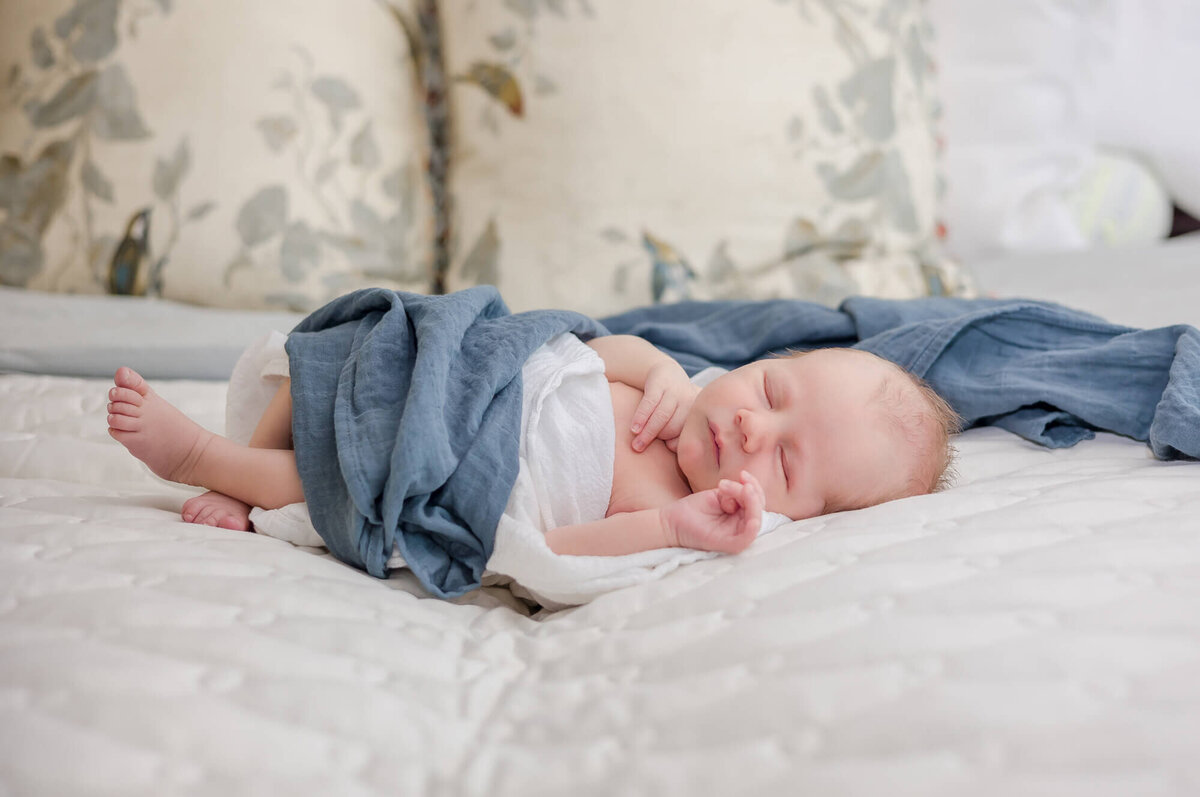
(666, 401)
(725, 518)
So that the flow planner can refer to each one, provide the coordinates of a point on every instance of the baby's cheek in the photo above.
(769, 489)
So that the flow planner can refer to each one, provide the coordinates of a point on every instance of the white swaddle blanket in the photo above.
(565, 476)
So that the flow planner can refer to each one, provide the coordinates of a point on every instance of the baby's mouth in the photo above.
(716, 442)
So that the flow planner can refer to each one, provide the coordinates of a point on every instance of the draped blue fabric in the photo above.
(407, 408)
(406, 413)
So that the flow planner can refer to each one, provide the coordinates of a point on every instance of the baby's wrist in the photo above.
(667, 533)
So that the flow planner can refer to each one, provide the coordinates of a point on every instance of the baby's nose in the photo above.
(751, 429)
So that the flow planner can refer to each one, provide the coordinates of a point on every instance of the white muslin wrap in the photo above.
(565, 474)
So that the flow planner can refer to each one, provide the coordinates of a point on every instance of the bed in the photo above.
(1034, 630)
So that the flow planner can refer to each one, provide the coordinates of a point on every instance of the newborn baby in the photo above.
(804, 435)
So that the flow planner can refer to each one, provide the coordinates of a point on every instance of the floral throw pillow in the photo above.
(264, 154)
(608, 155)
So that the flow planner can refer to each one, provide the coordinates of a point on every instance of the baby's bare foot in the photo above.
(217, 509)
(154, 431)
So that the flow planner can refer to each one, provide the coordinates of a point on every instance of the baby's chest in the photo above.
(641, 480)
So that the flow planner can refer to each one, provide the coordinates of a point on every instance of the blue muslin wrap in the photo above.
(1045, 372)
(406, 413)
(407, 408)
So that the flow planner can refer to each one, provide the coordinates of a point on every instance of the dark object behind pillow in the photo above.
(1182, 223)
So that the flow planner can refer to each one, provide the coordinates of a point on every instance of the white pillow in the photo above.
(607, 155)
(1149, 82)
(1021, 82)
(1120, 201)
(278, 146)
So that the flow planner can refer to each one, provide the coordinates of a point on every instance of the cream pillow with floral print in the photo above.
(610, 154)
(260, 154)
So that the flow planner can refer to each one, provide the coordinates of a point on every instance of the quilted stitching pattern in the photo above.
(1034, 630)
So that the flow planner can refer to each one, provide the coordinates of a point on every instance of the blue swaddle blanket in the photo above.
(1045, 372)
(406, 408)
(406, 414)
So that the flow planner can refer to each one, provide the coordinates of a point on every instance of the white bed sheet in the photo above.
(1035, 630)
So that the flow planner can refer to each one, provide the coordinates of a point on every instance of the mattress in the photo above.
(1141, 286)
(1034, 630)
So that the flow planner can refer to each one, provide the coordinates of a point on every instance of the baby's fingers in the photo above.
(729, 495)
(753, 500)
(651, 416)
(674, 425)
(752, 484)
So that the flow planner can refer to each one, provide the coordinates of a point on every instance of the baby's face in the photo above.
(811, 429)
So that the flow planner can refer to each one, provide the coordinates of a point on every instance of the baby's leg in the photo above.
(178, 449)
(274, 430)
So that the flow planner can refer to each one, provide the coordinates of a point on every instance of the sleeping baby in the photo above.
(691, 467)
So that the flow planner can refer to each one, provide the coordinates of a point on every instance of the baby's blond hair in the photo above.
(929, 424)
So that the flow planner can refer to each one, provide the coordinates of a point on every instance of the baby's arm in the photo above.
(615, 535)
(725, 519)
(628, 358)
(667, 392)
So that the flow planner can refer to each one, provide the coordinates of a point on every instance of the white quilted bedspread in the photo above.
(1034, 631)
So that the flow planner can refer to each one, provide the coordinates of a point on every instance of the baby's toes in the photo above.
(124, 395)
(128, 378)
(228, 520)
(191, 508)
(121, 408)
(124, 423)
(206, 516)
